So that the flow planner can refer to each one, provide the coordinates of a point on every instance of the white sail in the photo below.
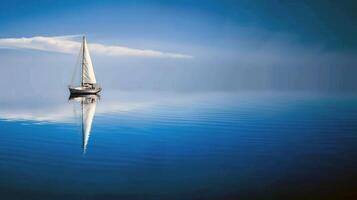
(88, 81)
(87, 66)
(89, 105)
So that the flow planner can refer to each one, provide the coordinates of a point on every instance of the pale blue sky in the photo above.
(235, 44)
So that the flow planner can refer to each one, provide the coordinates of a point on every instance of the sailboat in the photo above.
(88, 105)
(88, 82)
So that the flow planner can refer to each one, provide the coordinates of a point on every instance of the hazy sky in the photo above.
(233, 44)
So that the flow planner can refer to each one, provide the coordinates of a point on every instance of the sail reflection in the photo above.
(88, 106)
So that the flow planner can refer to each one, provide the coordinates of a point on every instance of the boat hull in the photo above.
(79, 90)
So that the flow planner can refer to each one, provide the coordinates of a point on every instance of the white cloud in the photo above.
(64, 44)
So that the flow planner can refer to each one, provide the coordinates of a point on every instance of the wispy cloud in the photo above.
(66, 44)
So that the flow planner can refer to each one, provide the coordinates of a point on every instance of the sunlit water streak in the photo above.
(182, 146)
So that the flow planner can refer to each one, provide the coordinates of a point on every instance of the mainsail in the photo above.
(87, 66)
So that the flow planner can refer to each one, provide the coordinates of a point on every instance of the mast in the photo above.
(83, 48)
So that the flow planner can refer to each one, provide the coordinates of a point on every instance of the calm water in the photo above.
(147, 145)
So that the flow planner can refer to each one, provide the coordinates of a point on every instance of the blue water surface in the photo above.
(147, 145)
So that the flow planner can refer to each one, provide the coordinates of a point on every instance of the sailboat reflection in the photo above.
(88, 106)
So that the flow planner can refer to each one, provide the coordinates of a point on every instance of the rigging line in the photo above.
(76, 67)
